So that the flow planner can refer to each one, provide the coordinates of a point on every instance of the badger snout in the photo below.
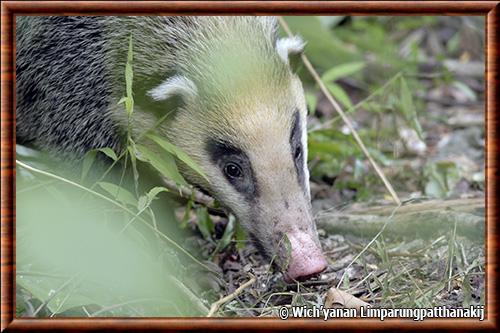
(306, 258)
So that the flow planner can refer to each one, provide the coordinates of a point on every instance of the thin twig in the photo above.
(216, 305)
(188, 193)
(346, 120)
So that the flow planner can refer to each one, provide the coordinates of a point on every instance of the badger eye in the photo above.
(233, 170)
(298, 152)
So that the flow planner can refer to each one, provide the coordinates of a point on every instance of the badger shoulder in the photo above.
(62, 85)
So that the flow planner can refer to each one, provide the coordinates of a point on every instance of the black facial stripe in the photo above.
(222, 152)
(295, 143)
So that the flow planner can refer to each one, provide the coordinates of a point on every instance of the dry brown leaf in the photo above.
(336, 298)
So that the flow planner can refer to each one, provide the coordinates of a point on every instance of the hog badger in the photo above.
(233, 104)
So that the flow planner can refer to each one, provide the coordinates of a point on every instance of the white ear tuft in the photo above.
(289, 45)
(175, 86)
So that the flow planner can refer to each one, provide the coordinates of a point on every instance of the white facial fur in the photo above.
(289, 45)
(176, 85)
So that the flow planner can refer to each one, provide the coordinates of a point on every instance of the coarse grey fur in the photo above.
(63, 95)
(70, 71)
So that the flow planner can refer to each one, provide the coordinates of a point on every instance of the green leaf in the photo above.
(228, 233)
(119, 193)
(288, 252)
(88, 160)
(129, 76)
(205, 223)
(146, 200)
(312, 102)
(453, 43)
(335, 148)
(324, 49)
(408, 108)
(130, 54)
(227, 236)
(155, 191)
(471, 95)
(129, 105)
(441, 177)
(179, 153)
(187, 214)
(342, 71)
(241, 236)
(164, 163)
(142, 203)
(340, 95)
(131, 153)
(90, 156)
(109, 153)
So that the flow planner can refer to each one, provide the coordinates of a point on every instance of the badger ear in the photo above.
(175, 86)
(289, 45)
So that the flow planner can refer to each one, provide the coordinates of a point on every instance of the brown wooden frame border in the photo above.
(489, 9)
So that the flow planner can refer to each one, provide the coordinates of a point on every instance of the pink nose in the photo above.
(306, 258)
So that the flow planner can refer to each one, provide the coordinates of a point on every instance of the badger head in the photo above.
(243, 121)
